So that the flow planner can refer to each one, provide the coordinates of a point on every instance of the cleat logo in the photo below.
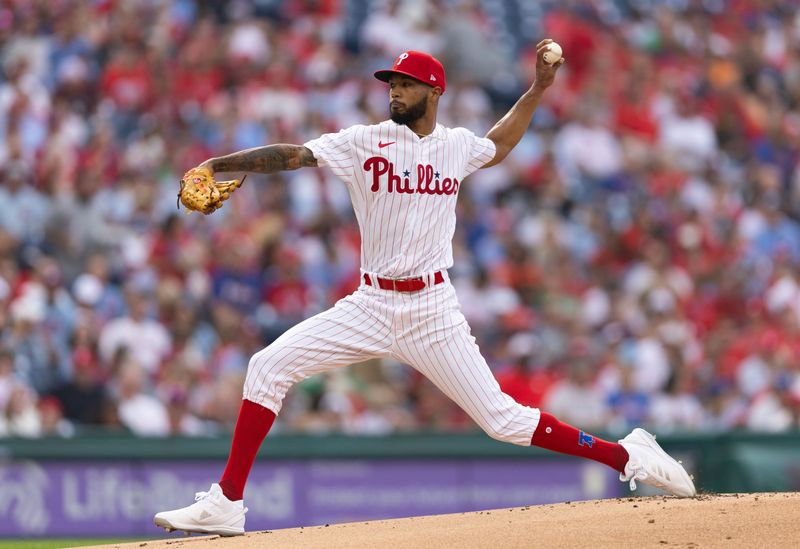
(204, 515)
(585, 439)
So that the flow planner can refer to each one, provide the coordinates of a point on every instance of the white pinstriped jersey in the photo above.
(404, 193)
(404, 190)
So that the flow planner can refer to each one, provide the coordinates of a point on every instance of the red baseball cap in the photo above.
(418, 65)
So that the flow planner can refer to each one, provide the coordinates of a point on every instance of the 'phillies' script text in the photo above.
(428, 181)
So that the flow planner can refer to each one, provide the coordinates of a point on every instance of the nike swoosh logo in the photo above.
(382, 145)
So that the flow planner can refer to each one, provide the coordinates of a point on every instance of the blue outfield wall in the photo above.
(112, 485)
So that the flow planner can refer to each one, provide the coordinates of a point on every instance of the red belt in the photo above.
(414, 284)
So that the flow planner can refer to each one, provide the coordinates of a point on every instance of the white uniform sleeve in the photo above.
(334, 150)
(481, 152)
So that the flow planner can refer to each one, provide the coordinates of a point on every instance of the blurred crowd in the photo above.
(633, 262)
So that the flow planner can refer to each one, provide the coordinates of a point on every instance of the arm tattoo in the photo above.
(267, 159)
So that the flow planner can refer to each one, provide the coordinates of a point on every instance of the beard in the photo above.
(411, 114)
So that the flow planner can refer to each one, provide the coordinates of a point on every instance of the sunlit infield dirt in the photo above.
(726, 520)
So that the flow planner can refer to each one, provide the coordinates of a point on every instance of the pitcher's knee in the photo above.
(267, 380)
(514, 425)
(261, 365)
(498, 431)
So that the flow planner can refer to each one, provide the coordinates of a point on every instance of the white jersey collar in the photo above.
(438, 131)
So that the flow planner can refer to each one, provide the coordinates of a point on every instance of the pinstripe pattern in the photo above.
(407, 224)
(353, 330)
(402, 234)
(433, 336)
(424, 329)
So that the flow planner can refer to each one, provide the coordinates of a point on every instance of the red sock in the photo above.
(566, 439)
(252, 426)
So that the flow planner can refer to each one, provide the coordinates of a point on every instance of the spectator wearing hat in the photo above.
(83, 398)
(51, 418)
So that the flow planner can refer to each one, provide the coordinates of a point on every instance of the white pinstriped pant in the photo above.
(424, 329)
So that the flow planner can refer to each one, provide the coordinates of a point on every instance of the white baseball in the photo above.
(554, 53)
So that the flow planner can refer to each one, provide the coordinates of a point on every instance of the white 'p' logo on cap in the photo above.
(402, 56)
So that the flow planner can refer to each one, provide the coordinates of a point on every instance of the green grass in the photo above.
(59, 543)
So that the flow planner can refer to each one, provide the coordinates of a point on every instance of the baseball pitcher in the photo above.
(403, 176)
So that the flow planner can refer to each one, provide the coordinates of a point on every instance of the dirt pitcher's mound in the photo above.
(730, 520)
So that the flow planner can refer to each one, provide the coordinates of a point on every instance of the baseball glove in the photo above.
(201, 193)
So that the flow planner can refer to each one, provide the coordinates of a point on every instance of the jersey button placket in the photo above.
(413, 220)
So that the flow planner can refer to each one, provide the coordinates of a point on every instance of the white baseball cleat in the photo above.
(649, 463)
(212, 513)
